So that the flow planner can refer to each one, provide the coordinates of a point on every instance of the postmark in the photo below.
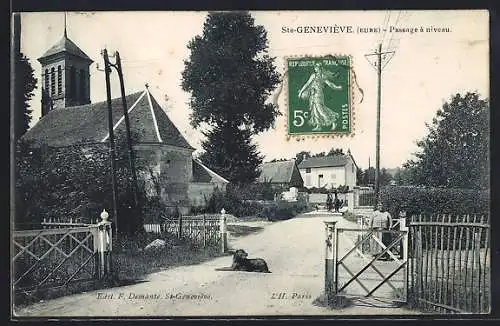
(320, 96)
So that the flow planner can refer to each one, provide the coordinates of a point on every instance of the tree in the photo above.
(385, 177)
(79, 179)
(231, 154)
(25, 85)
(455, 153)
(230, 76)
(359, 176)
(335, 151)
(299, 157)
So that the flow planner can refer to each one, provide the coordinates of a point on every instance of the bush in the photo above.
(420, 200)
(283, 210)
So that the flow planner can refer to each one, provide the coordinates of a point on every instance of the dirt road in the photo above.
(293, 249)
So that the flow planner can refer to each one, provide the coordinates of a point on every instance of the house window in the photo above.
(52, 81)
(47, 81)
(308, 170)
(321, 176)
(59, 80)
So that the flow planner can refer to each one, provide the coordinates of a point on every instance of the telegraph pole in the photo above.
(378, 66)
(107, 71)
(131, 158)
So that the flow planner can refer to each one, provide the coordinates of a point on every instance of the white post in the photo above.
(223, 230)
(330, 260)
(404, 228)
(104, 244)
(350, 201)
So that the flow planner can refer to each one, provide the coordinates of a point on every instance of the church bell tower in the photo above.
(65, 75)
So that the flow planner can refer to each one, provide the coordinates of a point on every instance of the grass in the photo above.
(335, 302)
(130, 264)
(242, 230)
(350, 216)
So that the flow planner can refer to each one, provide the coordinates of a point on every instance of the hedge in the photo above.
(427, 201)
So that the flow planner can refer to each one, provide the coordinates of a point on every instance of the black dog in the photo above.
(242, 263)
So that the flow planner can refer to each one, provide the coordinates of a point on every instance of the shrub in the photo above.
(420, 200)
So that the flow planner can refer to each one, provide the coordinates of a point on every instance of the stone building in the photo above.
(68, 118)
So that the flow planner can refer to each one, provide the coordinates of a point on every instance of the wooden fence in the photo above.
(55, 256)
(450, 263)
(203, 230)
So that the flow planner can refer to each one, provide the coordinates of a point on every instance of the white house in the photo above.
(329, 171)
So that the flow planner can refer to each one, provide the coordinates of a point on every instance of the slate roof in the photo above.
(277, 172)
(89, 123)
(325, 161)
(65, 45)
(201, 173)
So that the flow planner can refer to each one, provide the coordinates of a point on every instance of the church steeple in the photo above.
(65, 34)
(65, 75)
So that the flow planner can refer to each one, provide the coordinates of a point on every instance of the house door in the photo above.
(320, 180)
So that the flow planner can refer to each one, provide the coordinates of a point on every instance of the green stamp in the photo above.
(319, 95)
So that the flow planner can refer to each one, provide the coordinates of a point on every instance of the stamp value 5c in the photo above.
(319, 95)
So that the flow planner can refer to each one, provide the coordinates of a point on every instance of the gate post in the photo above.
(330, 260)
(104, 245)
(404, 228)
(223, 230)
(350, 201)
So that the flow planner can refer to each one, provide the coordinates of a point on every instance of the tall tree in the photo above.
(335, 151)
(455, 153)
(299, 157)
(25, 85)
(232, 154)
(359, 176)
(230, 76)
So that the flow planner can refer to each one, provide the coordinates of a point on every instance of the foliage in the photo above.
(421, 200)
(455, 153)
(79, 179)
(324, 190)
(230, 153)
(230, 76)
(25, 85)
(367, 177)
(299, 157)
(235, 201)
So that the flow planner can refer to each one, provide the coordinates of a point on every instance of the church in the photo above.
(69, 118)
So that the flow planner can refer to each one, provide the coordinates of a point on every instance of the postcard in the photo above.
(250, 163)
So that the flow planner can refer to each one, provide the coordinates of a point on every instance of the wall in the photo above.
(172, 166)
(332, 177)
(198, 191)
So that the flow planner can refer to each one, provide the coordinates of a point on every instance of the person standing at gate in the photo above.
(382, 220)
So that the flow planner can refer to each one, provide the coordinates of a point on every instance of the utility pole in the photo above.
(131, 158)
(107, 71)
(378, 66)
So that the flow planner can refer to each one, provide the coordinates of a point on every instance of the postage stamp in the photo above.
(251, 163)
(319, 95)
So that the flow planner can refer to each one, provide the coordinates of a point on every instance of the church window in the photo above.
(52, 81)
(72, 83)
(82, 84)
(59, 80)
(47, 81)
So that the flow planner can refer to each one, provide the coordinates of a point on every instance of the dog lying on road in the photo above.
(242, 263)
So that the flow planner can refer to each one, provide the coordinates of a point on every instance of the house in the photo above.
(68, 118)
(281, 174)
(329, 171)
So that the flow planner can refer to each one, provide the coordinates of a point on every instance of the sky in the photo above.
(427, 68)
